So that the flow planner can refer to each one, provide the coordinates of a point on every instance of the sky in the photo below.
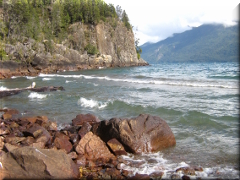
(155, 20)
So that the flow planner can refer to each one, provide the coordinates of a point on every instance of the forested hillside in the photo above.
(209, 42)
(52, 35)
(49, 19)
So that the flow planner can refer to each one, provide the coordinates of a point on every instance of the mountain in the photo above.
(208, 42)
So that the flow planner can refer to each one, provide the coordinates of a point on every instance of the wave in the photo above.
(47, 79)
(147, 81)
(148, 163)
(35, 95)
(2, 88)
(89, 103)
(30, 77)
(224, 77)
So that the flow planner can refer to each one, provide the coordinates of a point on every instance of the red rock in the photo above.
(14, 125)
(156, 175)
(4, 130)
(12, 111)
(145, 133)
(6, 116)
(140, 176)
(86, 127)
(186, 170)
(63, 143)
(39, 145)
(38, 164)
(10, 147)
(93, 148)
(11, 139)
(73, 155)
(116, 147)
(1, 142)
(52, 126)
(81, 161)
(28, 141)
(81, 118)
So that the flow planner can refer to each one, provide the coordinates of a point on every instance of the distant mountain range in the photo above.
(209, 42)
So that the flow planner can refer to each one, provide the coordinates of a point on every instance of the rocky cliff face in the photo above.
(114, 45)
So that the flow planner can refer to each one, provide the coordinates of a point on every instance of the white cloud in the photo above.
(158, 19)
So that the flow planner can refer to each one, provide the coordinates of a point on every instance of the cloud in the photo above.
(157, 19)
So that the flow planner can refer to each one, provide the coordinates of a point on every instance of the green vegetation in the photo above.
(91, 49)
(210, 42)
(46, 20)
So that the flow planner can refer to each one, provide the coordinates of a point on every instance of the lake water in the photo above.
(199, 101)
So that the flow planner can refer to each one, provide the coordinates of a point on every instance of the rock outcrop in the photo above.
(145, 133)
(33, 147)
(115, 49)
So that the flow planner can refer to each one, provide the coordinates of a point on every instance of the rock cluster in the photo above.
(33, 147)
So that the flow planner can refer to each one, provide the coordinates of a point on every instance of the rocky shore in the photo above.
(34, 147)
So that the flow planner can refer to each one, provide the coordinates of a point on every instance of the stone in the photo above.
(186, 170)
(10, 147)
(39, 145)
(63, 143)
(93, 148)
(116, 147)
(37, 163)
(140, 176)
(144, 133)
(81, 118)
(86, 127)
(81, 161)
(52, 126)
(28, 141)
(73, 155)
(156, 175)
(6, 116)
(1, 142)
(11, 139)
(4, 130)
(36, 130)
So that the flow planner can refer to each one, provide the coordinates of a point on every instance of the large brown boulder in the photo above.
(34, 163)
(93, 148)
(145, 133)
(81, 118)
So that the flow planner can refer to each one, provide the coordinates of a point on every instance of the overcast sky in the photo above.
(158, 19)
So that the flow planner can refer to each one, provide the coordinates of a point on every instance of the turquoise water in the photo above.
(199, 101)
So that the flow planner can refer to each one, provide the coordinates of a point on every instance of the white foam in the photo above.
(35, 95)
(211, 84)
(2, 88)
(30, 77)
(168, 168)
(89, 103)
(47, 79)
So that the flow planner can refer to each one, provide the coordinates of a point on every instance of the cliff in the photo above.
(116, 49)
(25, 50)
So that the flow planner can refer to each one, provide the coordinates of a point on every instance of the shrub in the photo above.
(91, 49)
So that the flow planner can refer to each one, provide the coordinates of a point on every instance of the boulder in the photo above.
(116, 147)
(34, 163)
(62, 143)
(81, 118)
(86, 127)
(145, 133)
(93, 148)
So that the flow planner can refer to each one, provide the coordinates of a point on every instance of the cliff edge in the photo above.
(115, 49)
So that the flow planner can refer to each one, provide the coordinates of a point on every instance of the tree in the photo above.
(125, 20)
(138, 49)
(119, 12)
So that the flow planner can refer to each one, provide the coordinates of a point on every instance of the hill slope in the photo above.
(209, 42)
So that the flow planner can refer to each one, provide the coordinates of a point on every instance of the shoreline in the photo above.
(11, 68)
(80, 143)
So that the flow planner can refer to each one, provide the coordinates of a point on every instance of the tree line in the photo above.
(45, 19)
